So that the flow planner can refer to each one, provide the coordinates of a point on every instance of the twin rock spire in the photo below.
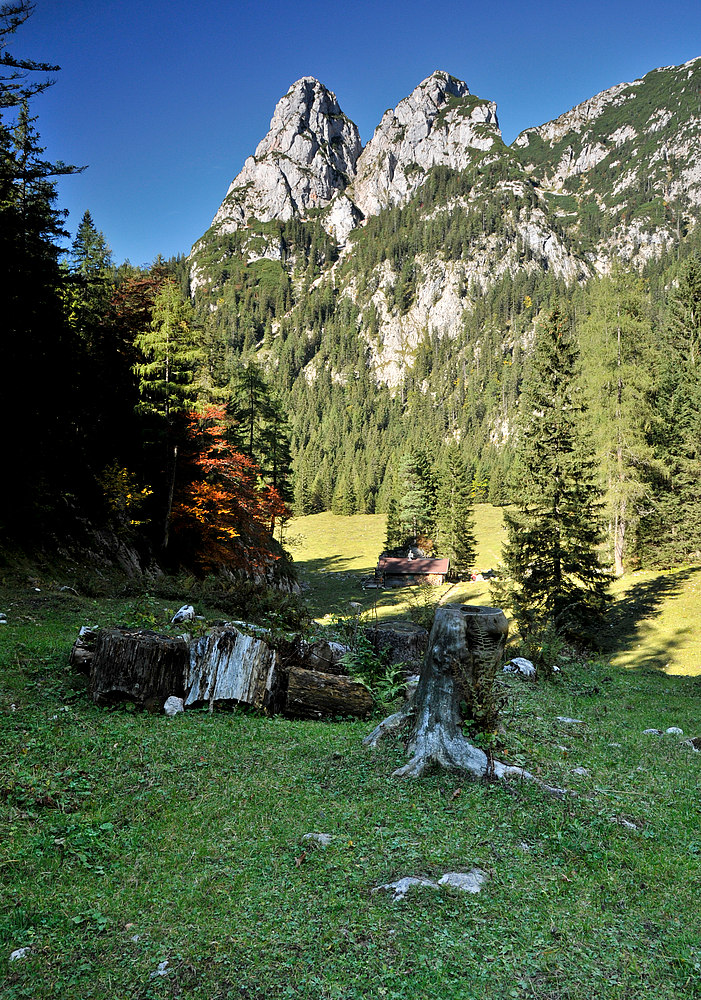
(312, 157)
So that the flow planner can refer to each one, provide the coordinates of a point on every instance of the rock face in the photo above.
(439, 124)
(308, 156)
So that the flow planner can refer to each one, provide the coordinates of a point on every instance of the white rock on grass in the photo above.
(184, 614)
(322, 839)
(565, 718)
(162, 970)
(652, 732)
(471, 882)
(173, 706)
(401, 887)
(19, 953)
(674, 731)
(581, 771)
(520, 665)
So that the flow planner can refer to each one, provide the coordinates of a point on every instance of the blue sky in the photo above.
(164, 99)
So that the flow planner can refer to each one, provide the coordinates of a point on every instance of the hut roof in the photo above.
(413, 567)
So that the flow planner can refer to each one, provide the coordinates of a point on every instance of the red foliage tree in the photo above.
(224, 512)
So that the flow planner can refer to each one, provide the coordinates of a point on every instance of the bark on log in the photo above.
(83, 650)
(313, 695)
(464, 645)
(227, 665)
(401, 642)
(138, 666)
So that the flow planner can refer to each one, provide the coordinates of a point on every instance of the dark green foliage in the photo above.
(671, 533)
(454, 521)
(551, 558)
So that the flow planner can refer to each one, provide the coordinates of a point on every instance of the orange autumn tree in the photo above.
(224, 513)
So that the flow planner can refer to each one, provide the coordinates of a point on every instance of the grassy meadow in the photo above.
(130, 840)
(654, 622)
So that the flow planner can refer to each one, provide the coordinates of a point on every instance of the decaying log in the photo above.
(137, 665)
(313, 695)
(83, 650)
(399, 641)
(227, 665)
(463, 648)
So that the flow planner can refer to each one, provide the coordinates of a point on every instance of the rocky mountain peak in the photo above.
(439, 123)
(307, 157)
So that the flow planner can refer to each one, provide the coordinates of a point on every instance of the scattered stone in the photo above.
(185, 614)
(162, 970)
(471, 881)
(173, 706)
(614, 745)
(520, 665)
(674, 731)
(581, 771)
(694, 742)
(322, 839)
(556, 669)
(565, 718)
(627, 824)
(652, 732)
(19, 953)
(72, 590)
(135, 938)
(401, 887)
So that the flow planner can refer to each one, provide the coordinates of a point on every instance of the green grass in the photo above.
(187, 834)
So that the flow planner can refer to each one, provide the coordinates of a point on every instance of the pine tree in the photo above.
(454, 513)
(554, 576)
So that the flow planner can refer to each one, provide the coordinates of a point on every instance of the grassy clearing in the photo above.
(333, 554)
(654, 623)
(129, 840)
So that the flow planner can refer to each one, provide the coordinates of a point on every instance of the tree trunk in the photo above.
(312, 695)
(134, 665)
(400, 642)
(228, 665)
(464, 648)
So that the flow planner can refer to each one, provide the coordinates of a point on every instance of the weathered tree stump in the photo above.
(312, 695)
(399, 641)
(464, 647)
(228, 665)
(136, 665)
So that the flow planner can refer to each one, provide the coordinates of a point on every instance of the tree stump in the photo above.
(400, 642)
(135, 665)
(464, 648)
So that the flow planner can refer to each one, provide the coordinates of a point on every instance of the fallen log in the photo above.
(313, 695)
(137, 665)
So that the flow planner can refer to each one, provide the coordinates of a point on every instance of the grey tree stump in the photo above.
(464, 648)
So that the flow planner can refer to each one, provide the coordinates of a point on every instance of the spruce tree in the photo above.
(554, 576)
(454, 513)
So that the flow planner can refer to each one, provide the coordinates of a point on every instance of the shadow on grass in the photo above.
(628, 619)
(333, 564)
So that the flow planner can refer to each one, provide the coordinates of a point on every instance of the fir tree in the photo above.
(554, 576)
(454, 514)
